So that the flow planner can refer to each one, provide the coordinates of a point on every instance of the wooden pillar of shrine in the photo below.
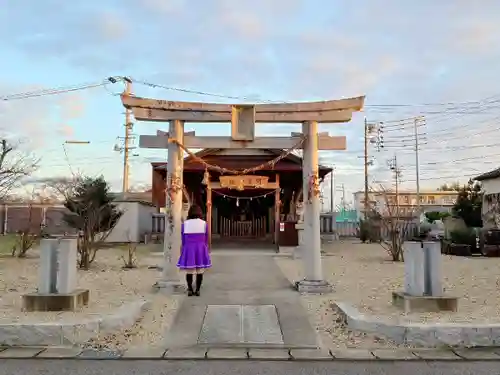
(209, 214)
(313, 281)
(277, 218)
(172, 243)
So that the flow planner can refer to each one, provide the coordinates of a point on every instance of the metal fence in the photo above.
(329, 226)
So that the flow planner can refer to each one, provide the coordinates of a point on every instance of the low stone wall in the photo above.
(427, 335)
(60, 333)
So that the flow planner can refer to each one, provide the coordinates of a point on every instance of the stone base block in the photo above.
(170, 287)
(424, 303)
(313, 286)
(56, 302)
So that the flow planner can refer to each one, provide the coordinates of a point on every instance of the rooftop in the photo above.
(488, 175)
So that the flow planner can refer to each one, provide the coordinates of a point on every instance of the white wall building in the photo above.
(135, 222)
(430, 200)
(490, 182)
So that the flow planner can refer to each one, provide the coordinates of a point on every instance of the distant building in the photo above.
(434, 200)
(490, 182)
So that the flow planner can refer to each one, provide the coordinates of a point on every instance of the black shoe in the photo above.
(190, 293)
(197, 293)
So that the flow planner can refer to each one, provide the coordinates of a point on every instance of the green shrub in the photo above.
(463, 237)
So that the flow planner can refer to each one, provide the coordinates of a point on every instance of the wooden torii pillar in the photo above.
(243, 119)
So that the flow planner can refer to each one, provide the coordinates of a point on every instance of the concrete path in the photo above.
(245, 301)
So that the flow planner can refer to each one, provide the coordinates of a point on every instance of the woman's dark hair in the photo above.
(195, 212)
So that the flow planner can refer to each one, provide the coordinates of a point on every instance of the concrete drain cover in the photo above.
(241, 324)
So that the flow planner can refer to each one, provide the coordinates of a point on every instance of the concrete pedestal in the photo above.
(56, 302)
(57, 278)
(423, 280)
(424, 303)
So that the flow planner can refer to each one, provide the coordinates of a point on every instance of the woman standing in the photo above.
(195, 257)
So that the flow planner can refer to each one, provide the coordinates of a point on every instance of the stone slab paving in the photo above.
(256, 354)
(240, 324)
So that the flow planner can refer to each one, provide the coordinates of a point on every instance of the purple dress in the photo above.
(194, 251)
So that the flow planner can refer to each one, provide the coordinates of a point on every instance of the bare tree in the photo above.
(15, 165)
(32, 228)
(60, 188)
(131, 260)
(396, 223)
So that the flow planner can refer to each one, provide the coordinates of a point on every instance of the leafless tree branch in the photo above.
(396, 225)
(15, 165)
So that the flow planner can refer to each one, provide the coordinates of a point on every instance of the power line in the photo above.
(59, 90)
(457, 105)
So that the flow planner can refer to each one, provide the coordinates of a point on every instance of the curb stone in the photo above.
(273, 354)
(226, 354)
(420, 334)
(310, 355)
(43, 334)
(270, 354)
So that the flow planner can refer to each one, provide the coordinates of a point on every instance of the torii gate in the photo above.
(243, 118)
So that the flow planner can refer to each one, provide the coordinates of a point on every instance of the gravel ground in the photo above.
(332, 332)
(362, 274)
(110, 287)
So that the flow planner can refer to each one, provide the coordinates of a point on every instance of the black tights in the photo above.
(189, 281)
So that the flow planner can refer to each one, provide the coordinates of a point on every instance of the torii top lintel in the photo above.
(330, 111)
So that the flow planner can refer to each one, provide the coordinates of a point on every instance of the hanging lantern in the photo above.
(206, 177)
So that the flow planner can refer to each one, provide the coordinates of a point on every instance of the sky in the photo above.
(437, 59)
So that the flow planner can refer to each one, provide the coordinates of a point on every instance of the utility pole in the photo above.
(332, 190)
(343, 197)
(417, 166)
(126, 140)
(393, 165)
(366, 169)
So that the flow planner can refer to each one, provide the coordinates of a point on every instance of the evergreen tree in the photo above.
(469, 204)
(92, 212)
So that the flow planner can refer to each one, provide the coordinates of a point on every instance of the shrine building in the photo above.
(256, 207)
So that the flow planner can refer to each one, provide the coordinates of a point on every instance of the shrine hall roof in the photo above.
(214, 151)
